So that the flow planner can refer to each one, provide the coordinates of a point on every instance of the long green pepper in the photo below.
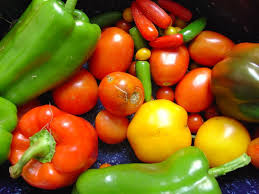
(46, 46)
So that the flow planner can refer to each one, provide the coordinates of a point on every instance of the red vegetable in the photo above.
(168, 41)
(253, 152)
(176, 9)
(155, 13)
(144, 25)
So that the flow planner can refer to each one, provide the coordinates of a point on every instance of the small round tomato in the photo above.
(127, 15)
(105, 165)
(110, 128)
(124, 25)
(208, 48)
(193, 92)
(210, 112)
(78, 95)
(222, 139)
(165, 93)
(168, 66)
(114, 52)
(194, 122)
(143, 54)
(132, 68)
(253, 152)
(121, 93)
(170, 30)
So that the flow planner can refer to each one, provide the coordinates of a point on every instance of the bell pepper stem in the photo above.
(42, 148)
(239, 162)
(70, 6)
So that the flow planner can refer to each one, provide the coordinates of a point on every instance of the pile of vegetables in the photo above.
(180, 94)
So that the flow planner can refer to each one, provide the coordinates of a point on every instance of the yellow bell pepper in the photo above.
(158, 129)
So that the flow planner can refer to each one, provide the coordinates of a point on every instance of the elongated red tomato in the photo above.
(155, 13)
(168, 41)
(193, 92)
(114, 52)
(144, 25)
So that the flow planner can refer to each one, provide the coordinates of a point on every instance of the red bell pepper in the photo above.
(168, 41)
(176, 9)
(50, 148)
(155, 13)
(146, 28)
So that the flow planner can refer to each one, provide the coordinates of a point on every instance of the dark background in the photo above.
(237, 19)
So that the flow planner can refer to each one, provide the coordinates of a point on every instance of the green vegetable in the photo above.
(107, 18)
(46, 46)
(144, 75)
(186, 171)
(8, 121)
(139, 41)
(193, 29)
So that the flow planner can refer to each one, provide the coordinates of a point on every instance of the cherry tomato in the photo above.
(127, 15)
(168, 66)
(165, 93)
(143, 54)
(78, 95)
(253, 152)
(194, 122)
(132, 69)
(111, 129)
(105, 165)
(121, 93)
(193, 92)
(209, 47)
(124, 25)
(170, 30)
(210, 112)
(114, 52)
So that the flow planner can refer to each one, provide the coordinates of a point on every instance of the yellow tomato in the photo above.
(222, 139)
(158, 129)
(143, 54)
(170, 30)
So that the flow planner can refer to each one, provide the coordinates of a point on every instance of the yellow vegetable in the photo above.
(143, 54)
(158, 129)
(127, 15)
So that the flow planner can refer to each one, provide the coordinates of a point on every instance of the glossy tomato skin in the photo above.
(194, 122)
(78, 95)
(165, 93)
(193, 92)
(114, 52)
(168, 66)
(121, 93)
(209, 47)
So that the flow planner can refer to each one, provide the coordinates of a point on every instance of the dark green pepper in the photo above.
(106, 19)
(8, 121)
(186, 171)
(139, 41)
(235, 83)
(46, 46)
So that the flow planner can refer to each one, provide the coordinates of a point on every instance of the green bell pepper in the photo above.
(46, 46)
(186, 171)
(235, 83)
(8, 117)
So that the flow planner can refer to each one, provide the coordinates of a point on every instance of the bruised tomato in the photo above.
(121, 93)
(114, 52)
(193, 92)
(168, 66)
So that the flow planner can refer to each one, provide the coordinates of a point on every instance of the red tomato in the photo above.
(165, 93)
(193, 92)
(124, 25)
(110, 128)
(114, 52)
(168, 66)
(208, 48)
(132, 68)
(194, 122)
(210, 112)
(78, 95)
(121, 93)
(253, 152)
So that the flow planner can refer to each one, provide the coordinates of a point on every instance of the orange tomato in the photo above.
(253, 152)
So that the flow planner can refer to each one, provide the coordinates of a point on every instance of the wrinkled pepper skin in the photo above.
(8, 121)
(186, 171)
(235, 83)
(46, 46)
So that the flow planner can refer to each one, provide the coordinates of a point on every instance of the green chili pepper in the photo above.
(46, 46)
(143, 73)
(106, 19)
(193, 29)
(186, 171)
(139, 41)
(8, 117)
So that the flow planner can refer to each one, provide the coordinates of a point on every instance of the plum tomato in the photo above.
(168, 66)
(193, 92)
(77, 95)
(114, 52)
(209, 47)
(165, 92)
(111, 129)
(121, 93)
